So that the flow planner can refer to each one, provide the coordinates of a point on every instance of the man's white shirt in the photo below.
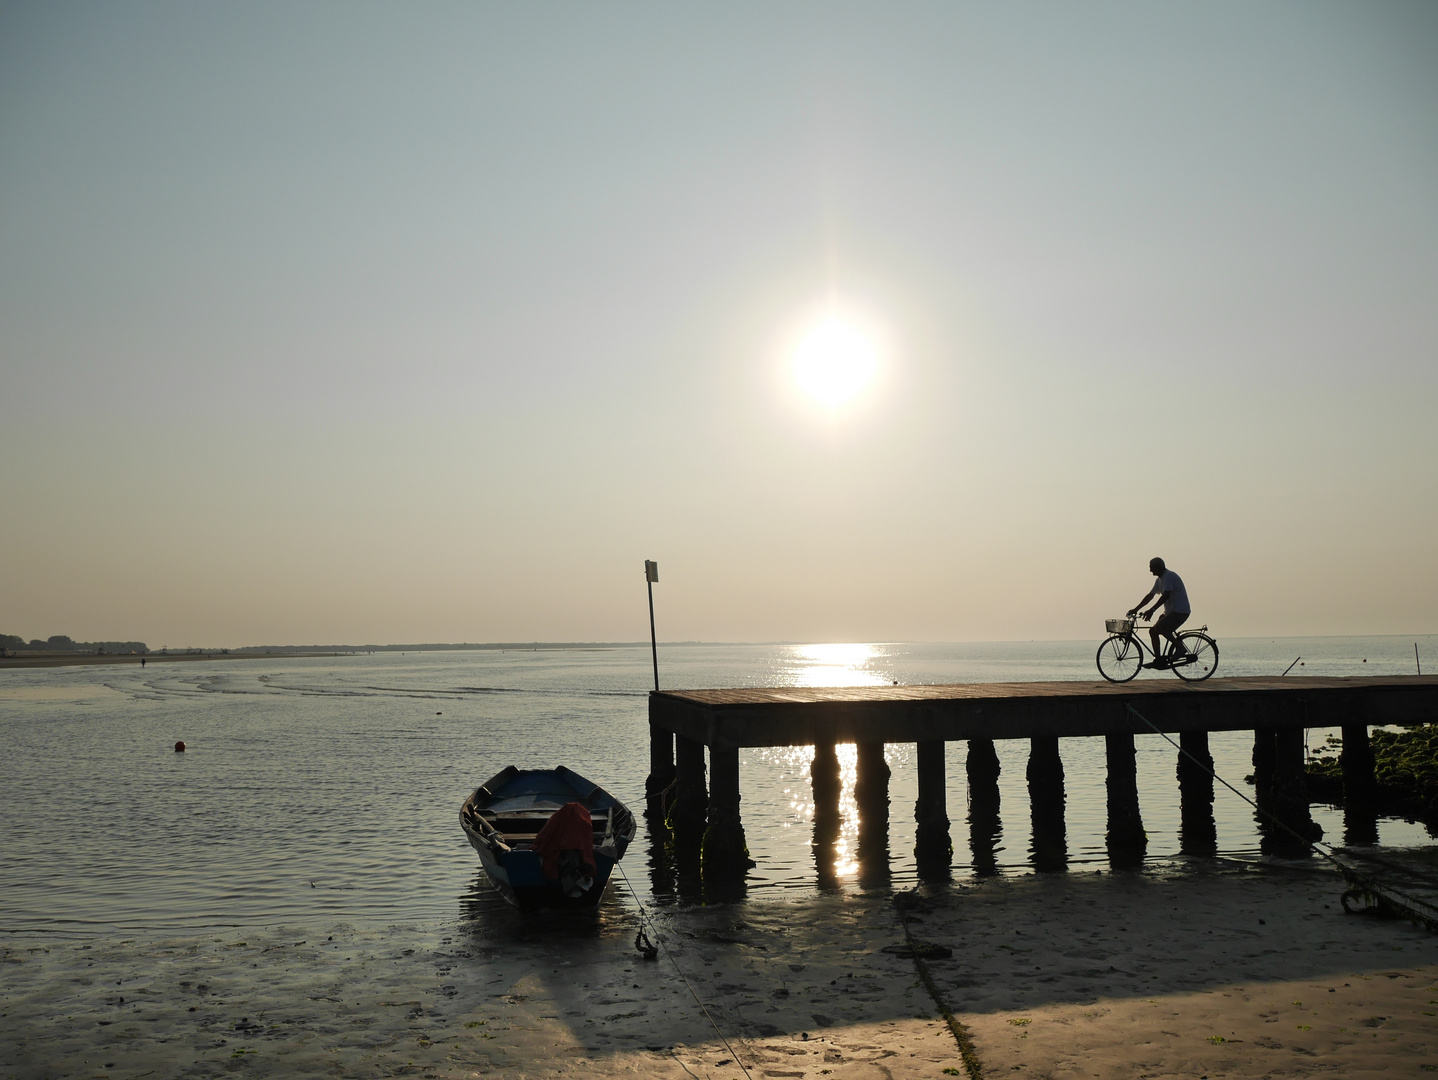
(1177, 602)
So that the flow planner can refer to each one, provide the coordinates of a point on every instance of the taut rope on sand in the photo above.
(967, 1053)
(659, 938)
(1361, 886)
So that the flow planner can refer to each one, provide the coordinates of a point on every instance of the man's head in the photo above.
(1156, 567)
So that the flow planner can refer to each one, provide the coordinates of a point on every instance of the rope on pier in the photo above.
(1361, 887)
(644, 918)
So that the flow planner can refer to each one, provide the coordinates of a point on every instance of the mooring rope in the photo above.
(659, 944)
(968, 1054)
(1419, 911)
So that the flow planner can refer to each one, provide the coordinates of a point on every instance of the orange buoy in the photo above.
(180, 747)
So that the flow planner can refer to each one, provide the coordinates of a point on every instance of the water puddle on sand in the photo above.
(78, 695)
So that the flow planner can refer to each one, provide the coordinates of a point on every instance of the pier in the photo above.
(705, 812)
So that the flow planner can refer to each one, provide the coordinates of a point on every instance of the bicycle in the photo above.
(1121, 655)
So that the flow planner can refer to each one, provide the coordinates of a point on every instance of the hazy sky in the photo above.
(423, 322)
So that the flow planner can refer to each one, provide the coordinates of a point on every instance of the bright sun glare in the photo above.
(835, 362)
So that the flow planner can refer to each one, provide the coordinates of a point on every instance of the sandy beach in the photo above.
(1220, 972)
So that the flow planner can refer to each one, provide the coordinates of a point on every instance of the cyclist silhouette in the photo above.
(1174, 598)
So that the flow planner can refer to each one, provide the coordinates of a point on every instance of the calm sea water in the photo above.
(331, 786)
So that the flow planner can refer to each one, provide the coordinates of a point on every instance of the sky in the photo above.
(354, 322)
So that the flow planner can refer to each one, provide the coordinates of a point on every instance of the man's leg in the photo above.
(1170, 622)
(1155, 632)
(1178, 620)
(1162, 628)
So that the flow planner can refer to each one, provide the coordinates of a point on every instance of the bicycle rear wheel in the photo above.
(1119, 658)
(1204, 652)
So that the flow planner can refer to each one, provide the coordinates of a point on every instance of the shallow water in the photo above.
(331, 786)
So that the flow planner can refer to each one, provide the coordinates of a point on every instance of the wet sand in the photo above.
(1223, 972)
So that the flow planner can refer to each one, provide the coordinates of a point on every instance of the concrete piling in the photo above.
(689, 812)
(825, 779)
(933, 848)
(1127, 841)
(725, 854)
(661, 763)
(1289, 795)
(1264, 751)
(1360, 785)
(871, 792)
(1197, 833)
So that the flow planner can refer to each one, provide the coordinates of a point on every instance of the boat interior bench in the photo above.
(522, 829)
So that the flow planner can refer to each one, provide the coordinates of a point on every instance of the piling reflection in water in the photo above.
(826, 836)
(1360, 826)
(1045, 775)
(985, 828)
(846, 843)
(850, 842)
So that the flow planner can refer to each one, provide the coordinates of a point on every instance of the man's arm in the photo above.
(1163, 599)
(1135, 609)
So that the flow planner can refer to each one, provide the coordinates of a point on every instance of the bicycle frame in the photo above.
(1133, 638)
(1168, 653)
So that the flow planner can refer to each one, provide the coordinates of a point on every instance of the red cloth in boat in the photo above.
(569, 829)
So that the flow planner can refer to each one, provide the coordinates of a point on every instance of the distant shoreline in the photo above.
(84, 659)
(275, 652)
(278, 652)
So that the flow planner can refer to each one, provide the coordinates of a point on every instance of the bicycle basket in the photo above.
(1118, 626)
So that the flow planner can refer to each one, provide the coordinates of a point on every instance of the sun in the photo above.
(835, 362)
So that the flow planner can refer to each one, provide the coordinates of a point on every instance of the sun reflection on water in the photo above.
(836, 664)
(846, 847)
(796, 764)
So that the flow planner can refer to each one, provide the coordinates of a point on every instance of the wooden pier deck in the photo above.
(797, 716)
(1277, 709)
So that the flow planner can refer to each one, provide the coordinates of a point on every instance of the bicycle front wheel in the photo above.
(1119, 658)
(1204, 652)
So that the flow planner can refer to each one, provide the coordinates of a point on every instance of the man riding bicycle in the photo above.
(1174, 598)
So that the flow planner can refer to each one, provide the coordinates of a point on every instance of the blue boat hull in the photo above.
(501, 817)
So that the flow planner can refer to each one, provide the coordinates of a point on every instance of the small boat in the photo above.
(546, 837)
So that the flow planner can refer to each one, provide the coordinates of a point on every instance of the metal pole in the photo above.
(651, 575)
(653, 641)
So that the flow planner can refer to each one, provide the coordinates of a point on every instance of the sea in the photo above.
(330, 786)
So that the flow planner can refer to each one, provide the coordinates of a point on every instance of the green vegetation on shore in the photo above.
(60, 643)
(1405, 766)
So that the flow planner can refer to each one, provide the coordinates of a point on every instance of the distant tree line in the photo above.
(64, 644)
